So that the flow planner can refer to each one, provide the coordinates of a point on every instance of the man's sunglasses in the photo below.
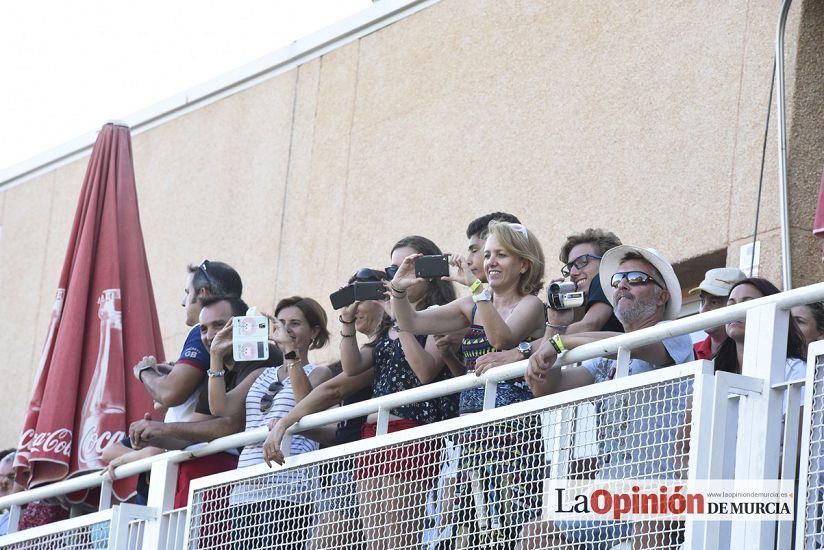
(269, 398)
(634, 278)
(578, 263)
(204, 267)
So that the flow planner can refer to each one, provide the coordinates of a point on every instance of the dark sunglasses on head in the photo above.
(634, 278)
(204, 267)
(269, 398)
(390, 272)
(578, 263)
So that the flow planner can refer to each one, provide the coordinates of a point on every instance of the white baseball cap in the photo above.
(719, 281)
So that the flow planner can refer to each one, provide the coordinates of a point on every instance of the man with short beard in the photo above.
(644, 291)
(640, 430)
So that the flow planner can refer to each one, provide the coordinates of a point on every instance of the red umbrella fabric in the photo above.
(818, 223)
(103, 321)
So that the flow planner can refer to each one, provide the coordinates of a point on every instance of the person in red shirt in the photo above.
(713, 292)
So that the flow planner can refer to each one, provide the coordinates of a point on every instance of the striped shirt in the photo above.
(289, 485)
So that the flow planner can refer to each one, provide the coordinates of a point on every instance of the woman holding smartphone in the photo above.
(389, 481)
(283, 499)
(505, 314)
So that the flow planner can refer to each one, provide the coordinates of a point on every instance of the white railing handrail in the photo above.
(610, 346)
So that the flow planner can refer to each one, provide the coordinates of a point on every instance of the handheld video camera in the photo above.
(564, 295)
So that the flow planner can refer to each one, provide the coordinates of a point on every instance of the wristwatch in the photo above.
(142, 369)
(525, 348)
(484, 296)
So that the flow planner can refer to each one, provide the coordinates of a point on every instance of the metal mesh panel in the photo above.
(814, 528)
(477, 487)
(86, 537)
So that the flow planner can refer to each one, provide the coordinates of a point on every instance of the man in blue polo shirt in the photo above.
(173, 385)
(177, 386)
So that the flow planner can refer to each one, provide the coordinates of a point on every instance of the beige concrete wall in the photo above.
(642, 119)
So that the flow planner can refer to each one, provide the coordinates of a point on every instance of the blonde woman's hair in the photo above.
(521, 242)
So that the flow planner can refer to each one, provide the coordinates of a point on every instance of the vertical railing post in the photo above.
(161, 499)
(382, 425)
(765, 354)
(105, 500)
(14, 517)
(286, 444)
(622, 362)
(490, 394)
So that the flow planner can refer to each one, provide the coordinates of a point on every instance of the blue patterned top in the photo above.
(393, 374)
(474, 345)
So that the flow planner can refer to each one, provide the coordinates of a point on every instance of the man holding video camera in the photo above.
(644, 292)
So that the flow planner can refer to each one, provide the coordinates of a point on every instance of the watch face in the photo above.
(525, 348)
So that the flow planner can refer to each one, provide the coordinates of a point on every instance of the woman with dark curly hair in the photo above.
(392, 482)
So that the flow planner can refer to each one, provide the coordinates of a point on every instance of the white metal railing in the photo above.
(495, 463)
(767, 320)
(105, 529)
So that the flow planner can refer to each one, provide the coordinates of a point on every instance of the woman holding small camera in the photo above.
(580, 258)
(299, 326)
(505, 315)
(338, 522)
(390, 480)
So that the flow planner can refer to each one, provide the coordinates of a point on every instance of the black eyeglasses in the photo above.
(578, 263)
(390, 272)
(634, 278)
(269, 398)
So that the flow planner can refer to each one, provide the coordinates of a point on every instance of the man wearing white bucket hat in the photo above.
(644, 290)
(639, 430)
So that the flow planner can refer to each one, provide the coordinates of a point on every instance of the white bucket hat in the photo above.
(609, 266)
(719, 281)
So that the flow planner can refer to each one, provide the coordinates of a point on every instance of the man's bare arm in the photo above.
(178, 435)
(174, 388)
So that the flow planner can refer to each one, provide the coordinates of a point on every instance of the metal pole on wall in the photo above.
(786, 265)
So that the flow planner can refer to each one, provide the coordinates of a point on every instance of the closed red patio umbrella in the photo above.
(103, 321)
